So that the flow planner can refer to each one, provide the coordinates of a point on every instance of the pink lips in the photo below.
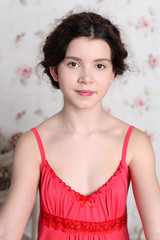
(85, 92)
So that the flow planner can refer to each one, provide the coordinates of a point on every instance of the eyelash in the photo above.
(101, 65)
(70, 64)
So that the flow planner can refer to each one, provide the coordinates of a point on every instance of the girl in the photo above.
(82, 158)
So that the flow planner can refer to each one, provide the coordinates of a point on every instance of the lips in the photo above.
(85, 92)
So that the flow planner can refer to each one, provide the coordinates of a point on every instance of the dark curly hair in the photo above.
(87, 24)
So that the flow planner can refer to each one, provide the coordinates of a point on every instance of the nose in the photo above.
(85, 76)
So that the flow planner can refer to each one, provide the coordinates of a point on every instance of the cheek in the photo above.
(107, 78)
(67, 77)
(111, 77)
(65, 82)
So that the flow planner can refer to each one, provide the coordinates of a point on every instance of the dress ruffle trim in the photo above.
(74, 226)
(82, 197)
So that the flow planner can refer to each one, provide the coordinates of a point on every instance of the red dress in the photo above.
(68, 215)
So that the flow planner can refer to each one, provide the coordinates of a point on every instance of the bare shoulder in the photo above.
(49, 122)
(50, 128)
(140, 150)
(141, 147)
(27, 147)
(143, 164)
(115, 125)
(140, 135)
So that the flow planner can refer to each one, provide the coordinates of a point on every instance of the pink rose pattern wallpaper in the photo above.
(26, 96)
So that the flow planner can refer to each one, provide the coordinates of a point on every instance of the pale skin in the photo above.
(97, 137)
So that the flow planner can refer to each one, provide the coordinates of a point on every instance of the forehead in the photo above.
(85, 47)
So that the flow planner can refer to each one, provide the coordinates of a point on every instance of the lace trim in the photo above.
(81, 196)
(74, 226)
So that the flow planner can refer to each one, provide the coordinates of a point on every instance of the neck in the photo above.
(83, 121)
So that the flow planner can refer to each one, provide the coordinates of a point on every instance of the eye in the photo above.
(73, 64)
(100, 66)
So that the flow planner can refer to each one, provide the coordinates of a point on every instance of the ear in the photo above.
(54, 72)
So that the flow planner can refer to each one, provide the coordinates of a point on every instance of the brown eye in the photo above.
(73, 64)
(100, 66)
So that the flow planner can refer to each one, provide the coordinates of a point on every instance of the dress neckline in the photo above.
(122, 165)
(117, 173)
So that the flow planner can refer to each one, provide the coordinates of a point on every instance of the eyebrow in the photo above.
(96, 60)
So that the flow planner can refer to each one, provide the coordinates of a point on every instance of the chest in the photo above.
(84, 164)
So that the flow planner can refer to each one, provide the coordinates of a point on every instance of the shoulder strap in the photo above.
(126, 141)
(34, 130)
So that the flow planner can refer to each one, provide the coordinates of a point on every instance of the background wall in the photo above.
(26, 99)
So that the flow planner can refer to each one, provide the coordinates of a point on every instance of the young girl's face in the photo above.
(85, 73)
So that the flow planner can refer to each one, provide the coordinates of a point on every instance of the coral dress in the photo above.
(68, 215)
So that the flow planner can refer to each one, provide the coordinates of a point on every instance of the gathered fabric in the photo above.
(73, 226)
(68, 215)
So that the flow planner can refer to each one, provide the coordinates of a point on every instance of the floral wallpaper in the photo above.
(26, 97)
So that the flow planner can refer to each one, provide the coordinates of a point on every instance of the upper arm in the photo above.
(145, 184)
(22, 193)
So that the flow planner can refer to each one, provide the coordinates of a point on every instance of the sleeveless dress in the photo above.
(68, 215)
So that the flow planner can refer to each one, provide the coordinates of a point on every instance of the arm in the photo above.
(145, 184)
(22, 193)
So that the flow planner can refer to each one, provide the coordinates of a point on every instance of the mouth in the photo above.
(85, 92)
